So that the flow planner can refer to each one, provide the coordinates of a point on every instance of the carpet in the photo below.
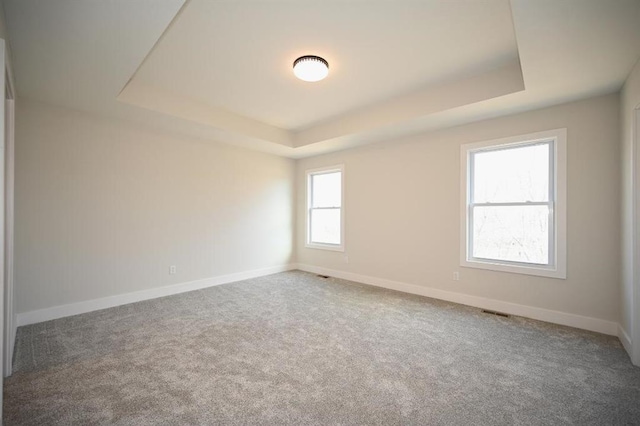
(294, 348)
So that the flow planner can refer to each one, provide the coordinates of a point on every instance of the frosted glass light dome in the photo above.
(310, 68)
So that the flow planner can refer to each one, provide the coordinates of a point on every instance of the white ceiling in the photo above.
(221, 69)
(237, 56)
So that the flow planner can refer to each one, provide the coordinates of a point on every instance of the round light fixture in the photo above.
(310, 68)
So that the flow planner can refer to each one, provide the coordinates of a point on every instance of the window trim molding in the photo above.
(307, 237)
(559, 249)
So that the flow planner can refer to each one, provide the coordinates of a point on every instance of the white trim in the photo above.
(558, 249)
(635, 238)
(547, 315)
(3, 325)
(55, 312)
(317, 171)
(331, 247)
(624, 339)
(10, 316)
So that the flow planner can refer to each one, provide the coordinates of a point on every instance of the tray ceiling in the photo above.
(222, 69)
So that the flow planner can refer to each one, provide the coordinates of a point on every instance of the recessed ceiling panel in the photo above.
(237, 55)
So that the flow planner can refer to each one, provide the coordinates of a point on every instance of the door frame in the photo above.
(9, 305)
(635, 203)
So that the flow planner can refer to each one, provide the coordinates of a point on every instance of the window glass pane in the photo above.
(326, 190)
(517, 234)
(325, 226)
(512, 175)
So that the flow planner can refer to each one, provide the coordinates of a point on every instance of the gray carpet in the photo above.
(294, 348)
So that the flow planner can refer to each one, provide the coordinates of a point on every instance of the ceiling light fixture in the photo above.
(310, 68)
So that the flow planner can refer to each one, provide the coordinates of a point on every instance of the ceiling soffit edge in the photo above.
(500, 81)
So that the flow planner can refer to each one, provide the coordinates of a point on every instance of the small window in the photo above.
(513, 207)
(324, 208)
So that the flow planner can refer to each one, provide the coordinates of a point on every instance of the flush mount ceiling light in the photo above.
(310, 68)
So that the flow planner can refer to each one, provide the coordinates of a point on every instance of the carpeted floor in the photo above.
(294, 348)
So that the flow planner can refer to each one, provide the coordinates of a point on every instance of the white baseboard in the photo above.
(55, 312)
(625, 339)
(556, 317)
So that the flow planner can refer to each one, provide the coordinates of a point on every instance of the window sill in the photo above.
(559, 273)
(330, 247)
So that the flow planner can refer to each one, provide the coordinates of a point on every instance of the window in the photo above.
(514, 204)
(324, 208)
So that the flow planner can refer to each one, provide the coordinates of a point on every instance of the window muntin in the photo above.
(324, 208)
(514, 212)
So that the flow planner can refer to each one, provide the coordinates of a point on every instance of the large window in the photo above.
(514, 194)
(324, 208)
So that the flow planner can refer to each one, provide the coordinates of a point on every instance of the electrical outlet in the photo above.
(172, 269)
(456, 276)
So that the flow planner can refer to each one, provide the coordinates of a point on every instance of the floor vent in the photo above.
(323, 276)
(500, 314)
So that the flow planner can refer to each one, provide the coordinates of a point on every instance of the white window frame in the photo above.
(557, 267)
(308, 175)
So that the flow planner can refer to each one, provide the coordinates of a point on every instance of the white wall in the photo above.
(402, 212)
(629, 100)
(104, 207)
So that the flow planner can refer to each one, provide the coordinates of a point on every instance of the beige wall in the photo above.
(402, 211)
(629, 100)
(104, 207)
